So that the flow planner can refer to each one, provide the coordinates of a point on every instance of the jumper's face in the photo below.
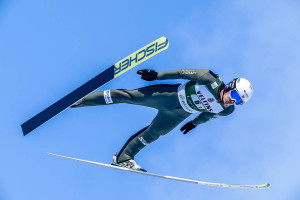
(227, 100)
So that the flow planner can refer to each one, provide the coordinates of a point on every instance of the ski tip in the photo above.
(52, 154)
(167, 41)
(266, 185)
(162, 38)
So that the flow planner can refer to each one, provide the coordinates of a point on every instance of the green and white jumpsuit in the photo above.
(174, 102)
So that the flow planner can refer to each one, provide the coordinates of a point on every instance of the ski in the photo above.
(167, 177)
(112, 72)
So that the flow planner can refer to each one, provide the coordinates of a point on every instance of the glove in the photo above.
(187, 127)
(148, 74)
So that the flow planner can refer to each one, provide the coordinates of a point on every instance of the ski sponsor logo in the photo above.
(107, 97)
(140, 56)
(143, 141)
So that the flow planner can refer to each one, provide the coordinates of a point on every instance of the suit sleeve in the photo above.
(206, 116)
(202, 76)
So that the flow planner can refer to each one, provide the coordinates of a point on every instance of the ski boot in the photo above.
(130, 164)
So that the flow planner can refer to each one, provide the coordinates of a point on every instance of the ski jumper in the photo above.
(174, 102)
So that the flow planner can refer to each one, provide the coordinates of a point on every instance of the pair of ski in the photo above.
(112, 72)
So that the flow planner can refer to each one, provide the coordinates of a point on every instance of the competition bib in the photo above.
(200, 98)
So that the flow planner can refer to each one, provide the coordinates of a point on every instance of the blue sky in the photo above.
(49, 48)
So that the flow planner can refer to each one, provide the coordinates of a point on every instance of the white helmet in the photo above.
(241, 90)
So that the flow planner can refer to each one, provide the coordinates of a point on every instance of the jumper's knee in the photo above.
(122, 96)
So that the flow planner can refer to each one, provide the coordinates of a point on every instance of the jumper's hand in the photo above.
(148, 74)
(187, 127)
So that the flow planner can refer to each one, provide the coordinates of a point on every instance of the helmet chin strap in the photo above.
(222, 88)
(222, 99)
